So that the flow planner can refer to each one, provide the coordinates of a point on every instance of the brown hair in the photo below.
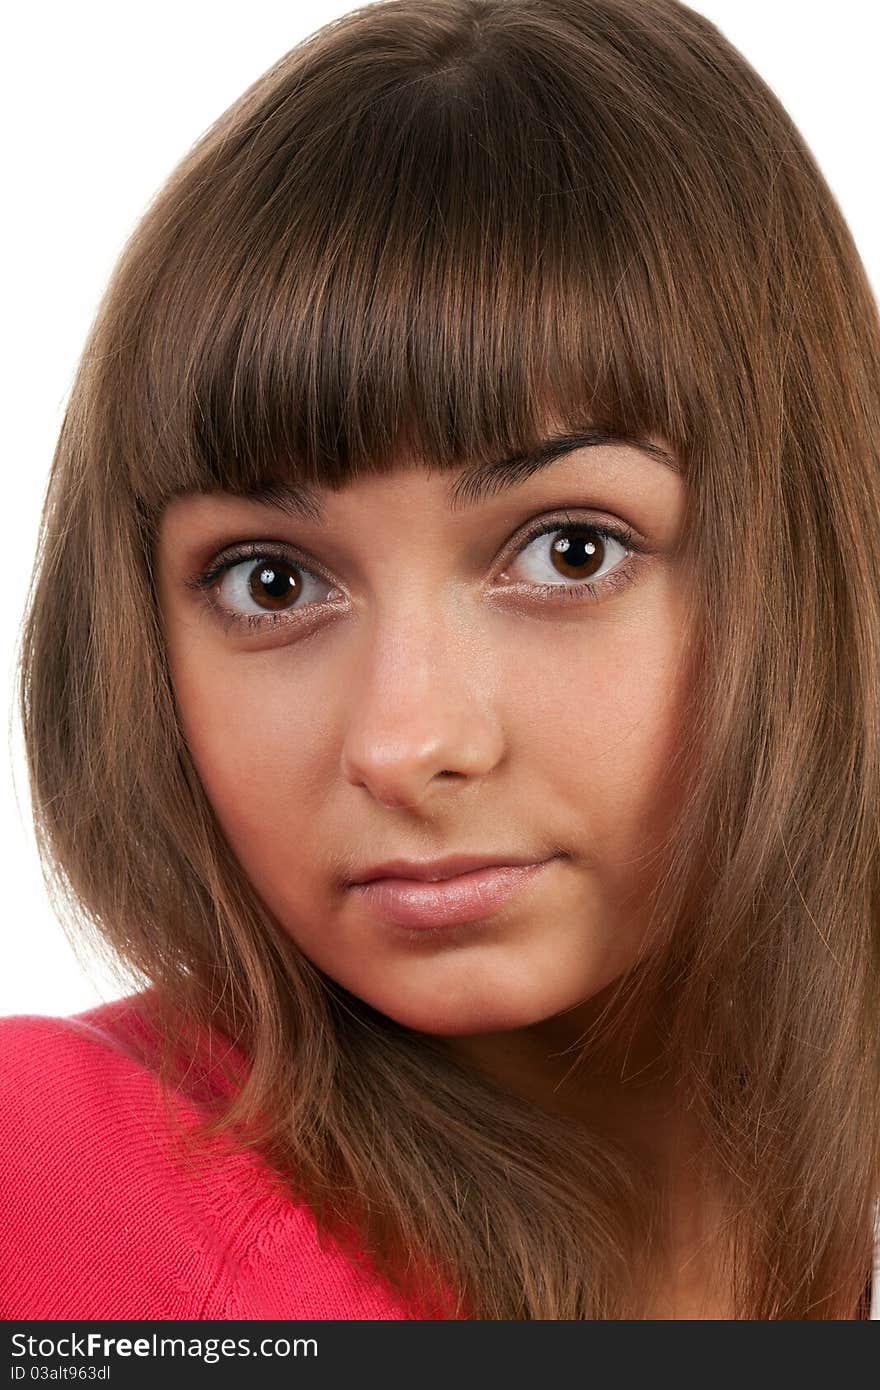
(426, 226)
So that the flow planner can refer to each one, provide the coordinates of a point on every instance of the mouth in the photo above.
(451, 866)
(424, 903)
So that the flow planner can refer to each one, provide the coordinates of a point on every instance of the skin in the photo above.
(424, 711)
(428, 713)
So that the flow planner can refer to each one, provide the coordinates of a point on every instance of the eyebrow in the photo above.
(474, 482)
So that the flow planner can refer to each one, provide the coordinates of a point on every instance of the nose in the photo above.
(421, 709)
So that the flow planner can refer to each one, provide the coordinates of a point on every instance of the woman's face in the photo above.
(401, 686)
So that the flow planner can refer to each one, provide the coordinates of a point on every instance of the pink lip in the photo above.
(410, 902)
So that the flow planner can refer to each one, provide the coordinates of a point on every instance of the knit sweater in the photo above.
(100, 1218)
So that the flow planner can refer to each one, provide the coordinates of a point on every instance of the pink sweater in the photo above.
(100, 1219)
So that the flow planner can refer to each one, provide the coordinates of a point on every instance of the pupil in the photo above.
(273, 584)
(577, 553)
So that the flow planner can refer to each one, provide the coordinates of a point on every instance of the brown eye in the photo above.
(265, 584)
(578, 552)
(275, 585)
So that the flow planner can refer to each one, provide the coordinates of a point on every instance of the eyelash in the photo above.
(581, 592)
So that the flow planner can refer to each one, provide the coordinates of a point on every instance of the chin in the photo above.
(457, 1018)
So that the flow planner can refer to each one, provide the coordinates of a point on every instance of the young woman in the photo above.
(451, 684)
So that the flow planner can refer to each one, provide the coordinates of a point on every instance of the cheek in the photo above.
(610, 724)
(259, 741)
(607, 714)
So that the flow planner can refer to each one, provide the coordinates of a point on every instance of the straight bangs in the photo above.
(426, 243)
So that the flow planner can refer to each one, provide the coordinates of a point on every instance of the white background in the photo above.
(102, 101)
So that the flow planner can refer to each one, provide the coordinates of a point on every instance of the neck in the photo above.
(624, 1092)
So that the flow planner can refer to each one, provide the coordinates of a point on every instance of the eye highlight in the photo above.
(259, 573)
(259, 585)
(579, 546)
